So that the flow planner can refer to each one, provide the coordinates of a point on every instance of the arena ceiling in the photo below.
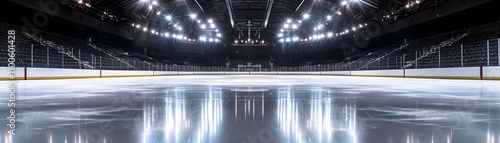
(242, 21)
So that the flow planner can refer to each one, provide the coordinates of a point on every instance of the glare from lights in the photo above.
(216, 40)
(167, 34)
(193, 16)
(219, 35)
(212, 26)
(354, 29)
(294, 26)
(145, 29)
(344, 2)
(286, 26)
(330, 34)
(168, 17)
(216, 30)
(287, 40)
(338, 13)
(153, 31)
(155, 2)
(179, 28)
(158, 13)
(281, 40)
(203, 39)
(203, 26)
(80, 1)
(235, 41)
(141, 0)
(361, 26)
(329, 17)
(282, 30)
(150, 7)
(295, 38)
(137, 26)
(289, 21)
(199, 21)
(262, 42)
(210, 21)
(280, 35)
(306, 16)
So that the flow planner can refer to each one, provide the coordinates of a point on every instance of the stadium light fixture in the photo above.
(168, 17)
(286, 26)
(280, 35)
(154, 2)
(144, 0)
(193, 16)
(281, 40)
(216, 30)
(210, 21)
(219, 35)
(145, 29)
(328, 17)
(305, 16)
(235, 41)
(137, 26)
(150, 7)
(330, 34)
(212, 26)
(203, 26)
(294, 26)
(289, 21)
(344, 2)
(158, 13)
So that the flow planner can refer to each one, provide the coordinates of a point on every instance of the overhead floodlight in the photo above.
(235, 41)
(287, 40)
(152, 31)
(210, 21)
(294, 26)
(360, 25)
(281, 40)
(286, 26)
(137, 26)
(212, 26)
(158, 13)
(150, 7)
(328, 17)
(210, 40)
(216, 40)
(289, 21)
(145, 29)
(219, 35)
(295, 38)
(203, 26)
(199, 21)
(280, 35)
(167, 34)
(193, 16)
(282, 30)
(353, 28)
(168, 17)
(344, 2)
(216, 30)
(338, 13)
(330, 34)
(305, 16)
(154, 2)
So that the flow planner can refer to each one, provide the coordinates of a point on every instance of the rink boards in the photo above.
(478, 73)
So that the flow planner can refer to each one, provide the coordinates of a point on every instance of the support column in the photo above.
(462, 54)
(488, 52)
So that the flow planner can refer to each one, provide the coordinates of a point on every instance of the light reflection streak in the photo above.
(177, 122)
(324, 121)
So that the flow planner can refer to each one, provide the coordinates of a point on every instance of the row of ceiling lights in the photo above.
(179, 28)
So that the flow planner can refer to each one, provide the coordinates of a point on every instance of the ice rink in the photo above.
(253, 109)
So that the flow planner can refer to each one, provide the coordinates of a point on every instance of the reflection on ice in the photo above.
(245, 109)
